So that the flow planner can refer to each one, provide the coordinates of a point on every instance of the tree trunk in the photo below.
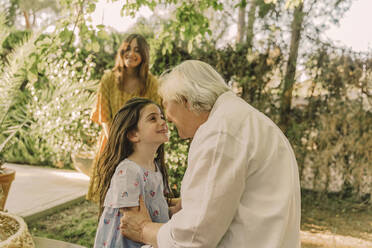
(251, 21)
(241, 25)
(289, 78)
(27, 20)
(33, 18)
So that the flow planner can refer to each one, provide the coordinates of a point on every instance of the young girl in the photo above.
(132, 164)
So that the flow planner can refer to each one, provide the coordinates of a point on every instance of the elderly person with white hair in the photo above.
(241, 187)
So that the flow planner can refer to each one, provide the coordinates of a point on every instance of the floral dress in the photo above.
(127, 184)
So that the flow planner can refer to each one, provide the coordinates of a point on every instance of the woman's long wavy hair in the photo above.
(119, 147)
(120, 69)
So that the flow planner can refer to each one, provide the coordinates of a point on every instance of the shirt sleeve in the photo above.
(211, 190)
(125, 188)
(102, 110)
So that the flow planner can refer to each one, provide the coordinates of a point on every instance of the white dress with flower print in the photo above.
(127, 184)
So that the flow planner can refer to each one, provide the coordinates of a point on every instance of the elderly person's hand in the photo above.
(133, 221)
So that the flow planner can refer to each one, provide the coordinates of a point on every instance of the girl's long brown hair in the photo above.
(119, 147)
(120, 69)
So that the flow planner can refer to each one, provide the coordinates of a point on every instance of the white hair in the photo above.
(195, 81)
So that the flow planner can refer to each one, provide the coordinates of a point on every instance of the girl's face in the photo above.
(132, 57)
(152, 128)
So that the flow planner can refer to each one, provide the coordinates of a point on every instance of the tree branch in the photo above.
(76, 22)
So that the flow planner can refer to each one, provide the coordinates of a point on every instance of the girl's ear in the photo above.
(133, 136)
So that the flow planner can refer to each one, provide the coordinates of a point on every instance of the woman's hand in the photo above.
(134, 220)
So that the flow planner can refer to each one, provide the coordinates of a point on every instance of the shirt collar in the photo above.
(220, 100)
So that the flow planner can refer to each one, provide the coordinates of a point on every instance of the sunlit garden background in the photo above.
(278, 60)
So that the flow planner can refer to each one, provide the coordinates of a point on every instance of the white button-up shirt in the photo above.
(241, 187)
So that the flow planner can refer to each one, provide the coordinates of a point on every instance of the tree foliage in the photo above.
(49, 87)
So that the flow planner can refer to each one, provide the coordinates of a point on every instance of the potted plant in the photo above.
(6, 178)
(12, 87)
(6, 174)
(14, 232)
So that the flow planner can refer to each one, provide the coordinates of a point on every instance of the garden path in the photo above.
(38, 191)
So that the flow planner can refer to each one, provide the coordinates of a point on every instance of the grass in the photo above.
(338, 217)
(324, 221)
(334, 218)
(76, 224)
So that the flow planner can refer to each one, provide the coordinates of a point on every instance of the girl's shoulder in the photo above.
(128, 166)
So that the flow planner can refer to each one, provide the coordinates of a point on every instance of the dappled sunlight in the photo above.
(314, 228)
(71, 175)
(318, 239)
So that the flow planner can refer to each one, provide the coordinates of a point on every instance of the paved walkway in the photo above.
(38, 191)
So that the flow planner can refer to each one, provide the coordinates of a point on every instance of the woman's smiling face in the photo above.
(132, 56)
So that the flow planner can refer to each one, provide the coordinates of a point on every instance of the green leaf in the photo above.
(79, 64)
(91, 8)
(291, 4)
(68, 55)
(189, 46)
(32, 77)
(102, 34)
(45, 41)
(34, 68)
(88, 47)
(163, 50)
(95, 47)
(66, 35)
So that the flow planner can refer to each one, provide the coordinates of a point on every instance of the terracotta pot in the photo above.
(6, 179)
(14, 232)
